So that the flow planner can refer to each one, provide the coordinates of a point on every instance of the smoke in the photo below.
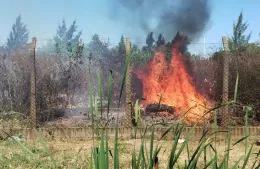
(190, 17)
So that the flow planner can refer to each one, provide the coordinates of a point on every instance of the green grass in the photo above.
(145, 152)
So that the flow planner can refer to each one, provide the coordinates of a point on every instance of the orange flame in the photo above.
(175, 86)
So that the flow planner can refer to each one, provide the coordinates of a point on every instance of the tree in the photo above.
(65, 39)
(121, 47)
(117, 64)
(239, 40)
(184, 47)
(98, 48)
(252, 48)
(19, 34)
(150, 40)
(160, 41)
(118, 56)
(101, 57)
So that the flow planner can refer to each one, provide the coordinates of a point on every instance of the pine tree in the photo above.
(98, 48)
(160, 41)
(65, 39)
(19, 34)
(239, 40)
(150, 40)
(121, 47)
(184, 47)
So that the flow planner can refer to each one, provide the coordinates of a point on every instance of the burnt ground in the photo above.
(82, 118)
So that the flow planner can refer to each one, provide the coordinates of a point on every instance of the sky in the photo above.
(42, 19)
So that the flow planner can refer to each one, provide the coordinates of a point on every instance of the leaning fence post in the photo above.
(33, 85)
(225, 114)
(128, 87)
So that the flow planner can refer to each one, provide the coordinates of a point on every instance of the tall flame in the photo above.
(174, 85)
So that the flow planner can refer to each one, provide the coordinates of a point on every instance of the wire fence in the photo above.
(63, 85)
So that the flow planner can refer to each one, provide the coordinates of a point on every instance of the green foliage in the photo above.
(239, 40)
(168, 52)
(141, 58)
(19, 34)
(98, 48)
(66, 42)
(252, 49)
(121, 47)
(150, 40)
(118, 55)
(76, 52)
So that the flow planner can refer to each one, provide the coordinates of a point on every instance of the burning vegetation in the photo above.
(172, 86)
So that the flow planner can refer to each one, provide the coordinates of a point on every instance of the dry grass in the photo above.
(65, 153)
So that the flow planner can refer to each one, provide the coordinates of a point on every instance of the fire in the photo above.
(174, 85)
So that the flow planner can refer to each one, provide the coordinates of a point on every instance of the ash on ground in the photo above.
(83, 119)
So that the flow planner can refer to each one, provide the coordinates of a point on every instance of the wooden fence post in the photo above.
(33, 116)
(128, 87)
(225, 113)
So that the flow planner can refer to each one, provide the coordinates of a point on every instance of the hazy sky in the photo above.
(43, 16)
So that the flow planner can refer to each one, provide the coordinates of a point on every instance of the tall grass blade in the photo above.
(228, 147)
(128, 59)
(236, 87)
(23, 147)
(214, 163)
(169, 129)
(136, 111)
(247, 109)
(116, 159)
(101, 154)
(184, 143)
(91, 160)
(236, 163)
(155, 155)
(91, 105)
(45, 147)
(96, 157)
(218, 107)
(96, 114)
(188, 152)
(247, 156)
(209, 163)
(100, 94)
(107, 150)
(134, 165)
(205, 131)
(141, 155)
(256, 160)
(91, 97)
(222, 163)
(195, 154)
(151, 148)
(240, 140)
(110, 81)
(171, 161)
(194, 162)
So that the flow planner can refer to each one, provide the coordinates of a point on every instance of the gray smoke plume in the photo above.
(190, 17)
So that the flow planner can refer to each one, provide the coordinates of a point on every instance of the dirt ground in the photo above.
(67, 153)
